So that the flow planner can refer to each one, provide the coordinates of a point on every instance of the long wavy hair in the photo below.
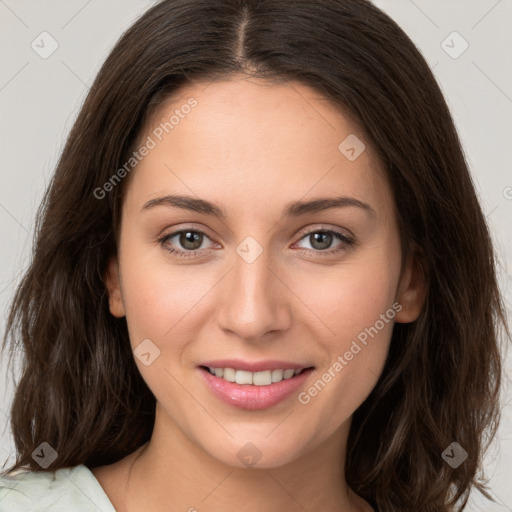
(80, 389)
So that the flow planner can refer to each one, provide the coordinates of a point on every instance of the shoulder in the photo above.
(65, 489)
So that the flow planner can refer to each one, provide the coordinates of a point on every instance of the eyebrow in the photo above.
(293, 209)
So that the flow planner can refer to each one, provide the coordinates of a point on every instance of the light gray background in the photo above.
(40, 98)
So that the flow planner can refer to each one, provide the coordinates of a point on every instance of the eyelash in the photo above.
(190, 254)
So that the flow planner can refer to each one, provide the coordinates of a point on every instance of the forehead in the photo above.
(256, 141)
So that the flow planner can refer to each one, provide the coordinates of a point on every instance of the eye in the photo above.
(189, 239)
(322, 239)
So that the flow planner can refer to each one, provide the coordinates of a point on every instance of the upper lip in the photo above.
(255, 366)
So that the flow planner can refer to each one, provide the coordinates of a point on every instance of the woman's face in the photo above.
(266, 282)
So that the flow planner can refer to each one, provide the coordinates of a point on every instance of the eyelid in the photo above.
(171, 231)
(322, 227)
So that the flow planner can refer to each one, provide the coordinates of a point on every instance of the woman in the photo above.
(185, 350)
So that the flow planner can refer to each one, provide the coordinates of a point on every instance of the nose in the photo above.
(255, 299)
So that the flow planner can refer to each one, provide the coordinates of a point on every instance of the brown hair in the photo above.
(80, 389)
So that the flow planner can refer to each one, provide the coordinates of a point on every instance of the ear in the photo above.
(115, 298)
(412, 289)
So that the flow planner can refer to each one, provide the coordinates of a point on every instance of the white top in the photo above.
(69, 489)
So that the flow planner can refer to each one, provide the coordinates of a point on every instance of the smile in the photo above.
(262, 378)
(253, 390)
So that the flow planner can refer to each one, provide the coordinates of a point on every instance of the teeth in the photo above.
(277, 375)
(243, 377)
(264, 378)
(228, 374)
(261, 378)
(287, 374)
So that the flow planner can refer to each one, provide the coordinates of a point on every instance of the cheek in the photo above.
(160, 302)
(350, 296)
(356, 306)
(160, 296)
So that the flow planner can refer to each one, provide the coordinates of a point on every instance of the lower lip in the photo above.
(250, 397)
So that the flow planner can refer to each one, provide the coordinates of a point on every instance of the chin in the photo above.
(256, 454)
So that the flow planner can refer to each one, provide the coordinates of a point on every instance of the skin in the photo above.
(251, 147)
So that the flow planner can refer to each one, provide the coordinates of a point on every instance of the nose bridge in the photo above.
(253, 303)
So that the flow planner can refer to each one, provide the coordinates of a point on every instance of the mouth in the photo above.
(261, 378)
(254, 390)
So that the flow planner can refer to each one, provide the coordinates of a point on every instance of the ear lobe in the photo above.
(112, 281)
(412, 290)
